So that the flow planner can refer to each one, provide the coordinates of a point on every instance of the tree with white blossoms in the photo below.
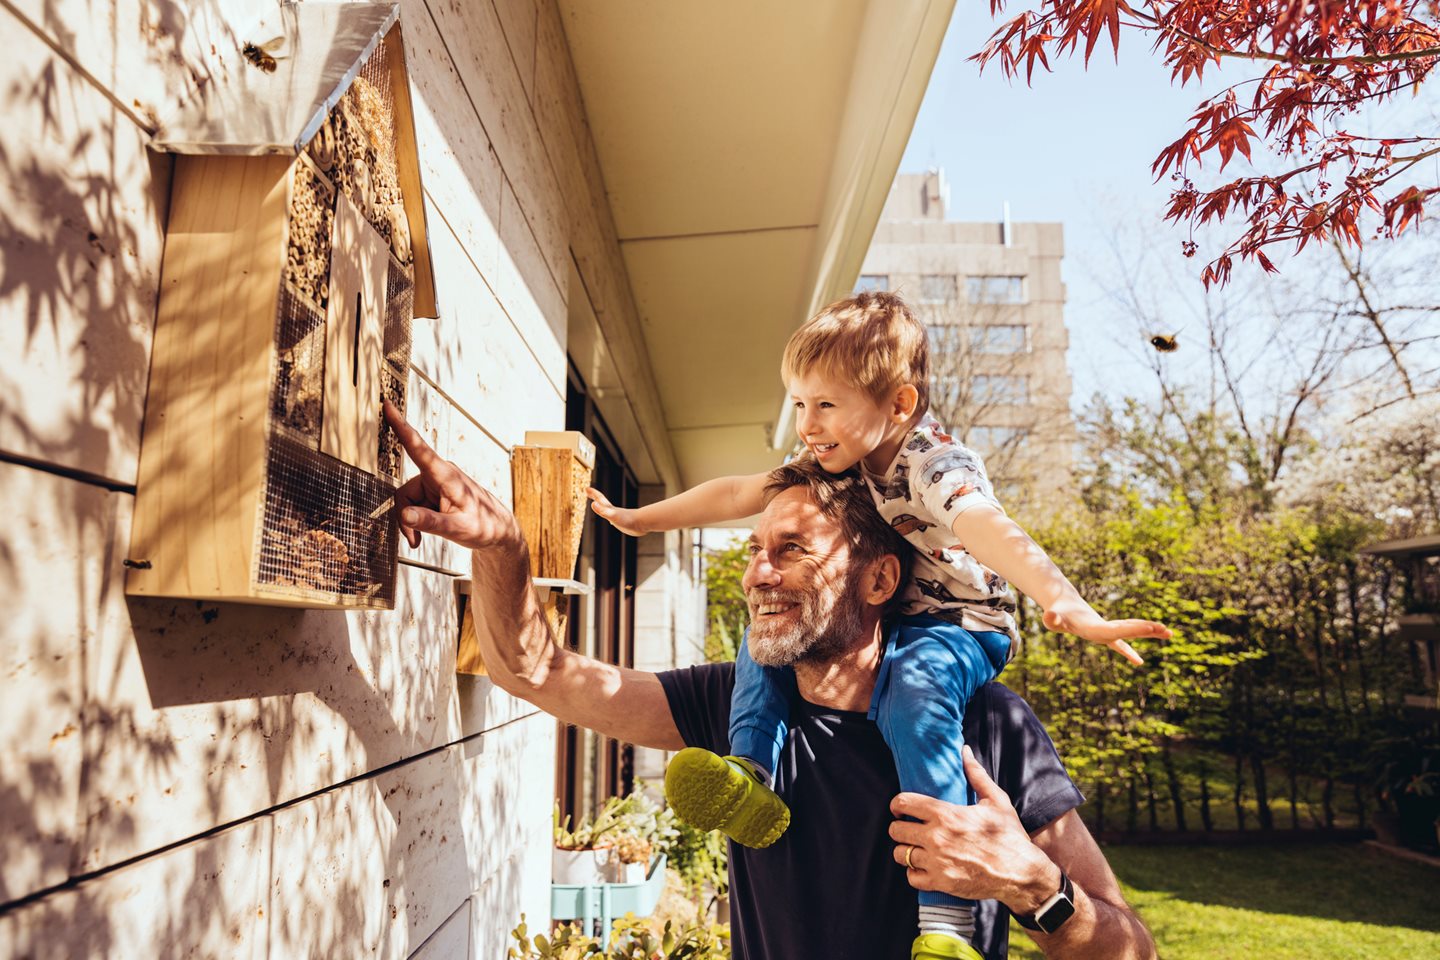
(1385, 465)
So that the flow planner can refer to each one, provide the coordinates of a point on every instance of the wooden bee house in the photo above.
(295, 260)
(549, 474)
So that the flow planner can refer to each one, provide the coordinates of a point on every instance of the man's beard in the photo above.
(827, 624)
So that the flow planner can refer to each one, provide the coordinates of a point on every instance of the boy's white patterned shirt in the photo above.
(931, 481)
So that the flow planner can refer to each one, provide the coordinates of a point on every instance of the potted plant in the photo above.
(617, 845)
(582, 855)
(631, 939)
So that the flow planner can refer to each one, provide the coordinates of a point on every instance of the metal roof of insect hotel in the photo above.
(289, 71)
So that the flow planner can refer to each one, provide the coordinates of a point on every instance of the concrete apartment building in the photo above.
(630, 205)
(992, 296)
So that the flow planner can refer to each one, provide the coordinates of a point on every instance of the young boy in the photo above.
(858, 375)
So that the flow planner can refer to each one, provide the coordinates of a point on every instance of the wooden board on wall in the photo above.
(371, 868)
(82, 209)
(57, 548)
(478, 46)
(478, 357)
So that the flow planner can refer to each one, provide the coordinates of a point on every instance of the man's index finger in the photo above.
(420, 452)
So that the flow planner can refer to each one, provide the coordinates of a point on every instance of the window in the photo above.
(872, 282)
(987, 440)
(993, 388)
(937, 288)
(995, 289)
(998, 338)
(945, 338)
(589, 767)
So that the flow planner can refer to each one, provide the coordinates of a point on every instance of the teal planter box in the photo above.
(606, 901)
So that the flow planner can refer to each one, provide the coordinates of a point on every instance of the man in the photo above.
(823, 569)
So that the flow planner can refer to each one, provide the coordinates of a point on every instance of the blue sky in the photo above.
(1076, 148)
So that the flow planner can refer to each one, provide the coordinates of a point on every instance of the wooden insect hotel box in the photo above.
(549, 474)
(295, 261)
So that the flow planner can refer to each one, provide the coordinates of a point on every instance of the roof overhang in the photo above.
(1414, 547)
(747, 149)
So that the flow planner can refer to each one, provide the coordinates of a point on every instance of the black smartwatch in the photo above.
(1052, 914)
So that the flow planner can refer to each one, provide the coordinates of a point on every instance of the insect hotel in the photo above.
(295, 260)
(549, 474)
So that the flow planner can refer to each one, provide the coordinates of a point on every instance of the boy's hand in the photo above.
(626, 521)
(1085, 623)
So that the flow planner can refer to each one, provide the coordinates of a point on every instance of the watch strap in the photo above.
(1051, 914)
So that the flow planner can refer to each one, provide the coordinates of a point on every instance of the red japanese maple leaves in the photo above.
(1323, 60)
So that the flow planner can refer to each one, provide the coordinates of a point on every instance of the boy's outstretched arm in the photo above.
(714, 501)
(999, 543)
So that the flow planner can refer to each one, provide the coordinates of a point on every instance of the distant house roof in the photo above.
(1413, 547)
(289, 71)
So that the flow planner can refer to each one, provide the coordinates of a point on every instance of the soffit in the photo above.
(747, 149)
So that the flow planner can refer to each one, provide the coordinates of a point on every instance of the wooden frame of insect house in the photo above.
(295, 261)
(549, 475)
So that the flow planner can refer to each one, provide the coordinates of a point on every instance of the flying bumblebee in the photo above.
(1165, 343)
(262, 55)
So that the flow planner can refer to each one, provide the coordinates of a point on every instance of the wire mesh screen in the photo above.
(319, 538)
(328, 532)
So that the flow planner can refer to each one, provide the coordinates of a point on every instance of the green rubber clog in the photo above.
(942, 946)
(711, 792)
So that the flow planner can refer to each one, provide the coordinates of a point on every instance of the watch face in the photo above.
(1060, 911)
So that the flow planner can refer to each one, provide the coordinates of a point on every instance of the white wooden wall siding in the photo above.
(239, 781)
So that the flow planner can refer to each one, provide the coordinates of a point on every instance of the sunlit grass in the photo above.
(1291, 902)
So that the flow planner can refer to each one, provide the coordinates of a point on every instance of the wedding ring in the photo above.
(909, 850)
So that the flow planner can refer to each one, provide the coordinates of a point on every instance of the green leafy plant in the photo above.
(629, 823)
(630, 939)
(701, 857)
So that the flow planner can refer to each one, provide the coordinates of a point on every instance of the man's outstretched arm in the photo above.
(520, 654)
(982, 852)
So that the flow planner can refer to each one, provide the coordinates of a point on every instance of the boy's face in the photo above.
(840, 423)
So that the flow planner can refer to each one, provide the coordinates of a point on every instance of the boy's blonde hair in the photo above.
(871, 339)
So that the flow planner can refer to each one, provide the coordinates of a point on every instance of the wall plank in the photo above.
(518, 17)
(82, 208)
(371, 868)
(476, 41)
(56, 547)
(477, 356)
(461, 171)
(149, 55)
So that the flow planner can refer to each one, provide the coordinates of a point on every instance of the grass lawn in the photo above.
(1290, 902)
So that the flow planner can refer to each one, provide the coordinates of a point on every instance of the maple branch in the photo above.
(1218, 52)
(1370, 313)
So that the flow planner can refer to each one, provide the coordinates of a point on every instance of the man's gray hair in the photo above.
(844, 498)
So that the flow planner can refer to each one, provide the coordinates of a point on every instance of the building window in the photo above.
(872, 282)
(945, 338)
(995, 289)
(998, 338)
(1000, 388)
(588, 766)
(937, 288)
(987, 440)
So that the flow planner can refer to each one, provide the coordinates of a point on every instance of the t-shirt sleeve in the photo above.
(1011, 743)
(700, 703)
(950, 481)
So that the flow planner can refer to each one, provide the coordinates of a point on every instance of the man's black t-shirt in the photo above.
(830, 888)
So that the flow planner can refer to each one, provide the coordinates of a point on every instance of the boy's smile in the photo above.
(842, 424)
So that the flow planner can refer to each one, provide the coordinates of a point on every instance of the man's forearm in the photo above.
(1097, 931)
(514, 639)
(1103, 927)
(523, 659)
